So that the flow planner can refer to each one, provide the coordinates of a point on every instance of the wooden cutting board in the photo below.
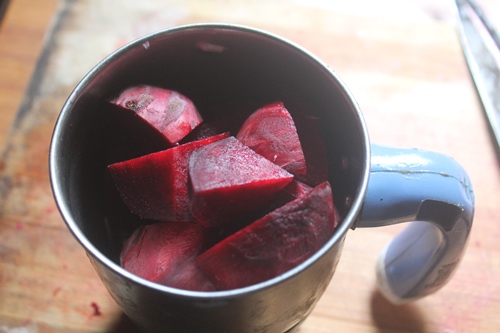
(403, 62)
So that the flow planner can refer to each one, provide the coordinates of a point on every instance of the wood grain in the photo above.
(401, 59)
(22, 33)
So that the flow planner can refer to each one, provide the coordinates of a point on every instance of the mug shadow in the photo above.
(389, 317)
(123, 324)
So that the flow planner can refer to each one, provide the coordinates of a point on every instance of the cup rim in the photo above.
(63, 206)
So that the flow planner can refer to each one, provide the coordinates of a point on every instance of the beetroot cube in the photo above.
(274, 244)
(165, 253)
(171, 113)
(155, 186)
(271, 132)
(231, 181)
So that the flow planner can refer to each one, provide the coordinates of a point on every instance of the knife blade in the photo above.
(481, 47)
(3, 9)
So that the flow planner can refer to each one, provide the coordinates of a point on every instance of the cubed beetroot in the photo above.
(261, 197)
(271, 132)
(230, 181)
(274, 244)
(165, 253)
(171, 113)
(155, 186)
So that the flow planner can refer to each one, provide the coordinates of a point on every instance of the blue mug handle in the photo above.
(434, 192)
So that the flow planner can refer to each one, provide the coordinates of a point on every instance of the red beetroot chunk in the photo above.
(165, 253)
(155, 186)
(274, 244)
(171, 113)
(271, 132)
(230, 181)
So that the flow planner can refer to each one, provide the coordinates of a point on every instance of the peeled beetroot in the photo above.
(274, 244)
(230, 180)
(155, 186)
(261, 197)
(271, 132)
(171, 113)
(165, 253)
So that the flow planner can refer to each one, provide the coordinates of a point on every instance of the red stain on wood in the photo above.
(56, 291)
(97, 310)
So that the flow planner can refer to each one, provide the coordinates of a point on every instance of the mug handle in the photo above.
(434, 192)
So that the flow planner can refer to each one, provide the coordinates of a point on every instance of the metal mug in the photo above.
(372, 185)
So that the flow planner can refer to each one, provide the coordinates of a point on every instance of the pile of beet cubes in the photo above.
(233, 209)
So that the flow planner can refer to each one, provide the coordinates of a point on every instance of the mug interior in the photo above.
(223, 70)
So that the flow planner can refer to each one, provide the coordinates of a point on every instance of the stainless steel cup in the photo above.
(215, 64)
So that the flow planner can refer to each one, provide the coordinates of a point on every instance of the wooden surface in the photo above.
(401, 59)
